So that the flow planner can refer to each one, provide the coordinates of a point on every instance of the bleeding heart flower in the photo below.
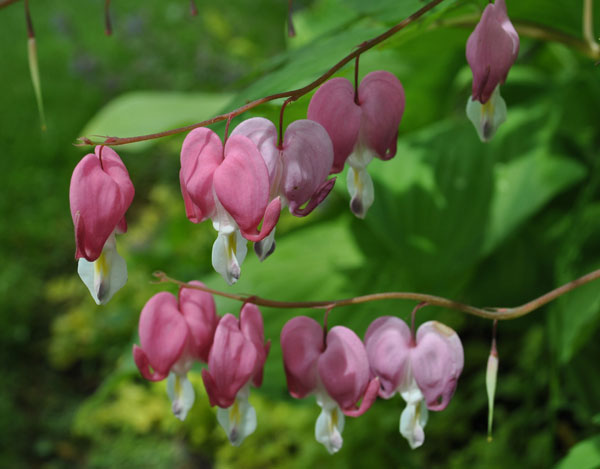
(231, 186)
(298, 168)
(424, 370)
(492, 49)
(334, 367)
(173, 334)
(236, 360)
(361, 126)
(100, 194)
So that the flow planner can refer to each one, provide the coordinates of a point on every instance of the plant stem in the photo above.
(5, 3)
(588, 27)
(294, 94)
(486, 313)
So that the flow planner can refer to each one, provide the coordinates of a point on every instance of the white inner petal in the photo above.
(487, 117)
(181, 393)
(106, 275)
(330, 424)
(229, 251)
(239, 420)
(414, 416)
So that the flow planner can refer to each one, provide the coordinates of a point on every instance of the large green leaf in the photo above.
(145, 112)
(584, 455)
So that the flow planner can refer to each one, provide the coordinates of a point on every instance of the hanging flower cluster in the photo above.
(175, 333)
(492, 48)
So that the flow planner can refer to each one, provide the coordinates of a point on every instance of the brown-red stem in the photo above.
(295, 94)
(487, 313)
(5, 3)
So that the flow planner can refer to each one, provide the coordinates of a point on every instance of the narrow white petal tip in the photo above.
(229, 251)
(491, 377)
(106, 275)
(329, 427)
(181, 393)
(360, 187)
(265, 247)
(487, 117)
(239, 420)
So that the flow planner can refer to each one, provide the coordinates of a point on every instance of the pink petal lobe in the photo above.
(381, 98)
(201, 155)
(344, 367)
(251, 325)
(163, 332)
(319, 196)
(302, 344)
(387, 341)
(199, 312)
(141, 361)
(231, 362)
(264, 135)
(436, 363)
(307, 157)
(334, 108)
(242, 185)
(492, 48)
(99, 196)
(367, 401)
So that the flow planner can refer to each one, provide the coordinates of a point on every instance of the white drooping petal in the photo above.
(265, 247)
(229, 251)
(360, 184)
(487, 117)
(330, 424)
(414, 416)
(181, 393)
(239, 420)
(106, 275)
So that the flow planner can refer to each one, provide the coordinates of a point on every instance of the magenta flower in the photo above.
(333, 367)
(361, 127)
(423, 370)
(298, 169)
(100, 194)
(229, 185)
(492, 49)
(173, 334)
(236, 360)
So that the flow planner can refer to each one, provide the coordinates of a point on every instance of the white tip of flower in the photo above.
(414, 416)
(360, 187)
(265, 247)
(181, 393)
(229, 251)
(106, 275)
(330, 425)
(491, 376)
(239, 420)
(487, 117)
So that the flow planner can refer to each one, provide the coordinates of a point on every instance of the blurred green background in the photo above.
(491, 225)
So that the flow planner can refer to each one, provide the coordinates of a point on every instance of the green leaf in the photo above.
(584, 455)
(145, 112)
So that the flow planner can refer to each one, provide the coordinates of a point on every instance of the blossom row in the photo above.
(345, 374)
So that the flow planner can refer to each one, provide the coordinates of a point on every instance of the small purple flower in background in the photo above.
(298, 169)
(334, 367)
(100, 194)
(230, 185)
(173, 334)
(424, 369)
(492, 48)
(236, 360)
(361, 127)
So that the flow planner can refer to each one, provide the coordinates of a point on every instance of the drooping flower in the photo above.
(173, 334)
(298, 168)
(236, 361)
(229, 185)
(362, 125)
(424, 370)
(492, 49)
(100, 194)
(334, 367)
